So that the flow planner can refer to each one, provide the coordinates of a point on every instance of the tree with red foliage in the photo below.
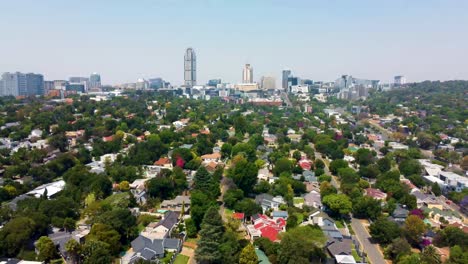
(180, 162)
(417, 212)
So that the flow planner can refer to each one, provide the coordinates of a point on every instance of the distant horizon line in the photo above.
(216, 78)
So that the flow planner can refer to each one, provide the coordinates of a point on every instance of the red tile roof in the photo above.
(268, 227)
(375, 193)
(107, 139)
(162, 161)
(305, 164)
(238, 216)
(270, 233)
(216, 155)
(205, 132)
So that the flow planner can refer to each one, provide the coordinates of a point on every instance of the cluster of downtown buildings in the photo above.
(30, 84)
(346, 87)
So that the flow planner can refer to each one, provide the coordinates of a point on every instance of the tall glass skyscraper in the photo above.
(190, 68)
(286, 75)
(95, 81)
(20, 84)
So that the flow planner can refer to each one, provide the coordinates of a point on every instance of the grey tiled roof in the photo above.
(150, 248)
(170, 219)
(338, 247)
(147, 254)
(171, 243)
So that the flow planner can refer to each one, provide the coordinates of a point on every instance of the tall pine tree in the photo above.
(202, 179)
(211, 233)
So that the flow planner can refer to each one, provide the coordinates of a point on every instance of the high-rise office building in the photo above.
(95, 81)
(60, 84)
(156, 83)
(190, 68)
(268, 83)
(400, 80)
(307, 82)
(214, 82)
(76, 87)
(34, 84)
(286, 75)
(247, 74)
(20, 84)
(292, 81)
(79, 82)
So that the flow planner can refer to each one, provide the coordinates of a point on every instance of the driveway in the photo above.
(374, 255)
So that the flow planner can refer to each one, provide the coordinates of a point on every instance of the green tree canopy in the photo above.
(302, 245)
(46, 249)
(338, 164)
(414, 229)
(338, 203)
(248, 255)
(384, 230)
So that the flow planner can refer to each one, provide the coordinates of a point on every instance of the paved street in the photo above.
(334, 182)
(373, 253)
(286, 99)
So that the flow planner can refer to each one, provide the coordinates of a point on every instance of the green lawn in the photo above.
(355, 255)
(228, 212)
(339, 224)
(181, 259)
(298, 200)
(167, 258)
(351, 231)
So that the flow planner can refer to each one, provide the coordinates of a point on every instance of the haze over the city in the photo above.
(320, 40)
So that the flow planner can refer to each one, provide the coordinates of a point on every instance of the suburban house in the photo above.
(309, 176)
(165, 163)
(211, 166)
(295, 137)
(305, 164)
(152, 249)
(264, 174)
(177, 203)
(313, 199)
(214, 157)
(327, 225)
(151, 171)
(263, 226)
(62, 237)
(49, 188)
(428, 200)
(138, 190)
(437, 214)
(96, 167)
(340, 247)
(271, 141)
(375, 193)
(400, 214)
(267, 201)
(163, 228)
(279, 214)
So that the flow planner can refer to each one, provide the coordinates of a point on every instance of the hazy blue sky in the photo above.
(125, 40)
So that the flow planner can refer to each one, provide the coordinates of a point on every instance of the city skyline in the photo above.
(124, 41)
